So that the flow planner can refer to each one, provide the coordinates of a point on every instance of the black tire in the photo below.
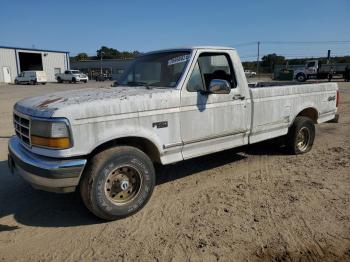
(74, 80)
(59, 80)
(85, 81)
(301, 135)
(97, 189)
(32, 82)
(43, 83)
(16, 82)
(300, 77)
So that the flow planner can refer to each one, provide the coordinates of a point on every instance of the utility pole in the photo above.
(101, 53)
(257, 60)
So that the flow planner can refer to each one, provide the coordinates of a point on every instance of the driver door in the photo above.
(211, 122)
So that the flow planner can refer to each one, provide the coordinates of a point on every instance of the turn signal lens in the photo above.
(51, 133)
(55, 143)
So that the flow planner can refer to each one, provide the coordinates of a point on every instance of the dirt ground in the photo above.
(248, 204)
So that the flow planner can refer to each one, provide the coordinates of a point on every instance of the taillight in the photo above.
(338, 97)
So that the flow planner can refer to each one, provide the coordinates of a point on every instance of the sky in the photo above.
(293, 28)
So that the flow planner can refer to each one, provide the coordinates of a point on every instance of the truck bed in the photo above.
(275, 105)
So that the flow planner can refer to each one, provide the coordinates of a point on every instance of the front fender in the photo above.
(106, 135)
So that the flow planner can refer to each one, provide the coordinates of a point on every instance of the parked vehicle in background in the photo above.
(169, 106)
(103, 77)
(249, 73)
(31, 77)
(72, 76)
(314, 69)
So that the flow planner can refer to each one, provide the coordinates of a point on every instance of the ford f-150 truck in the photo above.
(169, 106)
(72, 76)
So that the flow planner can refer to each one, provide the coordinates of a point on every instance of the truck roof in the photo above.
(190, 48)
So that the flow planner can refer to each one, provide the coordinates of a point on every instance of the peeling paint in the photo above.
(46, 103)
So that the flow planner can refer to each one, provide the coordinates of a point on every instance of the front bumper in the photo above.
(45, 173)
(81, 79)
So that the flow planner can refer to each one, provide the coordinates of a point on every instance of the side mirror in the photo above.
(219, 86)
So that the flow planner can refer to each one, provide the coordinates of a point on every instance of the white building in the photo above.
(14, 60)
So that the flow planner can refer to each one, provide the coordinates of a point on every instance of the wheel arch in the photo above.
(144, 144)
(310, 112)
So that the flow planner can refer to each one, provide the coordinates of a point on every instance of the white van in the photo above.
(31, 77)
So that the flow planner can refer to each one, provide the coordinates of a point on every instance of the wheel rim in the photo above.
(123, 185)
(303, 139)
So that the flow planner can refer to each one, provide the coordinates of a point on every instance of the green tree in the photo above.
(108, 53)
(81, 57)
(111, 53)
(271, 60)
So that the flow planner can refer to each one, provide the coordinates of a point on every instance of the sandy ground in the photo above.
(252, 203)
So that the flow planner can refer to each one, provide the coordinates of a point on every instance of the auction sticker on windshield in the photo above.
(178, 59)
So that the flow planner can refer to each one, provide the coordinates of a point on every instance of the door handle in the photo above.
(238, 97)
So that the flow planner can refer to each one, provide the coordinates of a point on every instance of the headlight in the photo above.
(50, 134)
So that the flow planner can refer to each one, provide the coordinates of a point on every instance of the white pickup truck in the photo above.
(72, 76)
(169, 106)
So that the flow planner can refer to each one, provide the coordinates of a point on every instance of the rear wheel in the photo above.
(32, 82)
(118, 182)
(16, 82)
(59, 80)
(74, 80)
(301, 135)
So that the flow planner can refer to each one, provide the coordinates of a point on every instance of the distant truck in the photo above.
(313, 69)
(249, 73)
(72, 76)
(103, 77)
(31, 77)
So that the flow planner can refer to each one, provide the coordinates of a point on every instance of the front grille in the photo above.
(22, 128)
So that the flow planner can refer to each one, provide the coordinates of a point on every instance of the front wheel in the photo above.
(118, 182)
(301, 135)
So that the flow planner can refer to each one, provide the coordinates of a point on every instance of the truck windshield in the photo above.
(311, 64)
(156, 70)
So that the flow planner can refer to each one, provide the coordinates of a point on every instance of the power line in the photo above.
(307, 42)
(295, 42)
(245, 44)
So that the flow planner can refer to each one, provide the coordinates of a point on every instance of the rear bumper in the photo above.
(45, 173)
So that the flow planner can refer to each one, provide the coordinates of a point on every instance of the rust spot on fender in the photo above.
(47, 102)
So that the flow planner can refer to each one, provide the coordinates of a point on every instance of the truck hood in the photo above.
(98, 102)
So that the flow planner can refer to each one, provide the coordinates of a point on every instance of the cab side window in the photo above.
(216, 66)
(211, 66)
